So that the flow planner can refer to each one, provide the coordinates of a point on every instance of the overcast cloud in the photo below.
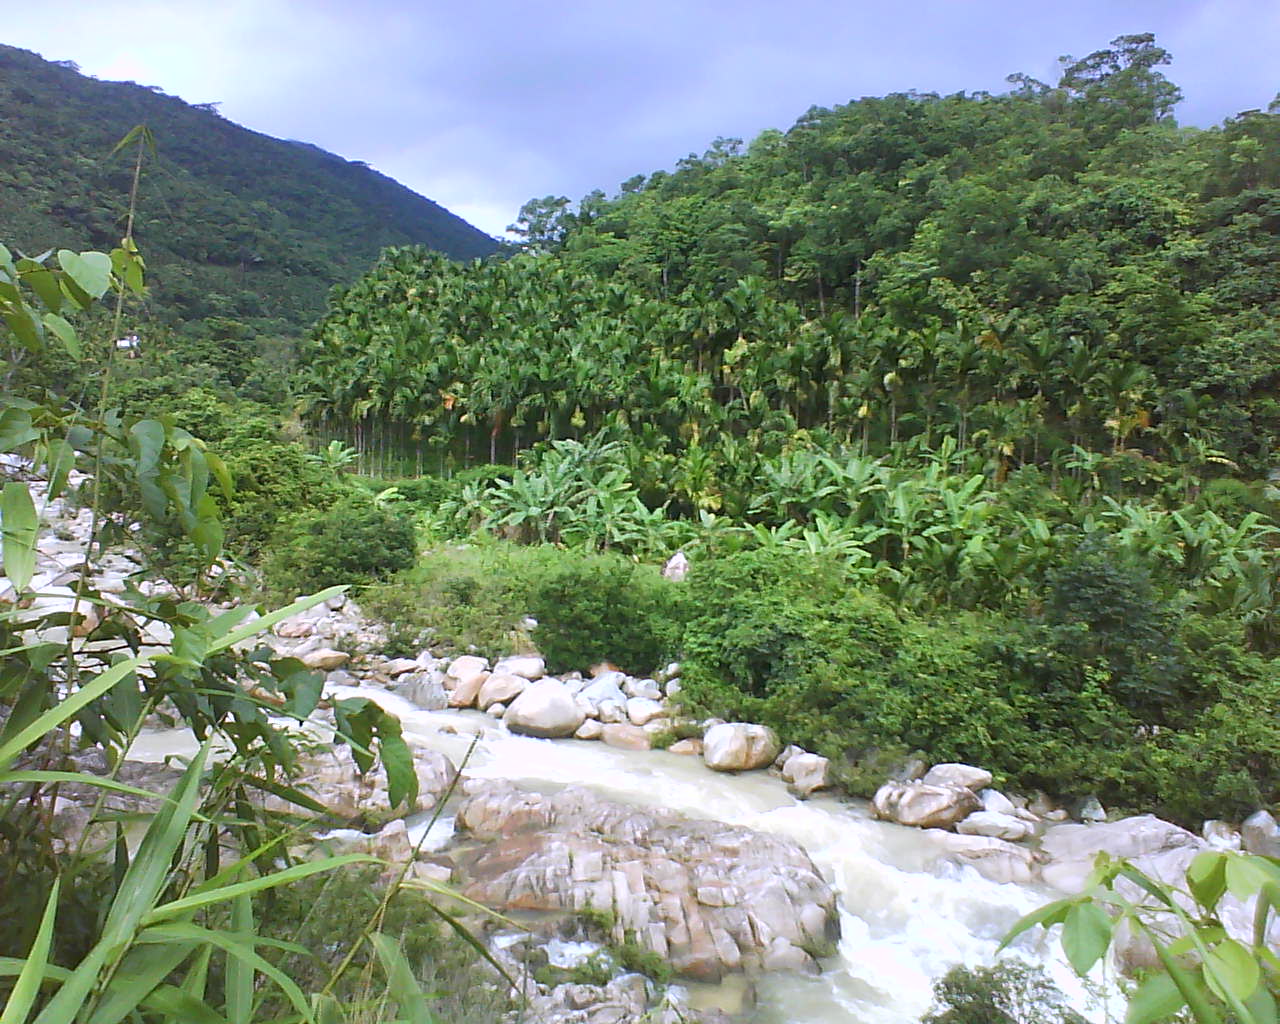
(482, 105)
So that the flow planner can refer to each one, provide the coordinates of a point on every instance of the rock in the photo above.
(673, 687)
(656, 727)
(994, 825)
(805, 773)
(605, 688)
(789, 751)
(739, 747)
(584, 705)
(295, 628)
(641, 710)
(1091, 810)
(625, 736)
(923, 804)
(693, 745)
(392, 843)
(642, 688)
(962, 776)
(1156, 846)
(496, 710)
(996, 802)
(993, 858)
(1221, 836)
(465, 691)
(589, 730)
(501, 688)
(677, 567)
(545, 708)
(465, 668)
(325, 659)
(528, 666)
(398, 667)
(331, 776)
(612, 711)
(708, 898)
(1260, 834)
(425, 689)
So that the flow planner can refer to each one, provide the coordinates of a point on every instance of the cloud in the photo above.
(484, 105)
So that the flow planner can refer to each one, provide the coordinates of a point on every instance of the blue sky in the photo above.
(483, 105)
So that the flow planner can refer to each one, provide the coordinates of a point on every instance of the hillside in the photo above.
(234, 223)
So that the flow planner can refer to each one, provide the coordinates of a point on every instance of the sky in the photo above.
(484, 105)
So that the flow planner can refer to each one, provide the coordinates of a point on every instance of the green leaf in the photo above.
(1086, 933)
(404, 987)
(1231, 970)
(91, 271)
(1157, 999)
(262, 624)
(41, 280)
(16, 429)
(64, 332)
(27, 987)
(10, 966)
(20, 525)
(60, 459)
(179, 1005)
(24, 327)
(141, 971)
(1262, 1006)
(1207, 877)
(327, 1009)
(239, 973)
(1192, 992)
(397, 762)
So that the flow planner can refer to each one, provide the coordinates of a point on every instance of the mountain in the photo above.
(233, 223)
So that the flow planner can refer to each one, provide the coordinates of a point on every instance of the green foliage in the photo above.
(589, 608)
(1203, 971)
(1010, 992)
(356, 541)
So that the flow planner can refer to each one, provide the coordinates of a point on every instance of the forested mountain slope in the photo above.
(234, 223)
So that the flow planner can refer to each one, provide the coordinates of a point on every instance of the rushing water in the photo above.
(907, 912)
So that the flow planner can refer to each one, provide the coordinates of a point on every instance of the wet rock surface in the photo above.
(707, 897)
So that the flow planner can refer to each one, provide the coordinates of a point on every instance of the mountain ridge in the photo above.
(234, 222)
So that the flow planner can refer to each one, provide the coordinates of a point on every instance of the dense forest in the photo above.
(235, 224)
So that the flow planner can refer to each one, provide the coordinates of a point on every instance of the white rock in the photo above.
(530, 666)
(994, 859)
(1260, 834)
(496, 710)
(605, 687)
(325, 659)
(677, 567)
(612, 711)
(463, 669)
(589, 730)
(739, 746)
(805, 773)
(995, 825)
(1221, 836)
(544, 708)
(965, 776)
(625, 736)
(1154, 844)
(465, 691)
(641, 710)
(502, 689)
(924, 805)
(996, 802)
(673, 687)
(399, 666)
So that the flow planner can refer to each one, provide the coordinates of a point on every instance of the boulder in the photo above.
(708, 898)
(993, 858)
(677, 567)
(465, 668)
(605, 688)
(332, 777)
(962, 776)
(642, 688)
(1260, 834)
(502, 688)
(545, 708)
(465, 691)
(739, 747)
(1090, 810)
(1221, 836)
(398, 667)
(1156, 847)
(994, 825)
(924, 805)
(589, 730)
(425, 689)
(612, 711)
(996, 802)
(625, 736)
(641, 710)
(805, 773)
(687, 747)
(528, 666)
(325, 659)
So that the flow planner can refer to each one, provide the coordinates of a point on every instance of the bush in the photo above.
(1008, 993)
(589, 607)
(355, 541)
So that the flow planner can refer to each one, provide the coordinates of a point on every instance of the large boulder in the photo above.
(625, 736)
(605, 688)
(325, 659)
(529, 666)
(1260, 834)
(501, 688)
(641, 710)
(993, 858)
(545, 708)
(332, 777)
(707, 897)
(1157, 847)
(962, 776)
(924, 805)
(739, 747)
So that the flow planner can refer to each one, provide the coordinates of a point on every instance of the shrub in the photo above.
(355, 541)
(1008, 993)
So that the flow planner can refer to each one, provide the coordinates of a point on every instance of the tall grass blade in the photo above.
(27, 987)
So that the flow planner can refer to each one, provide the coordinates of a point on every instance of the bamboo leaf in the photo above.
(404, 987)
(181, 1006)
(239, 973)
(141, 971)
